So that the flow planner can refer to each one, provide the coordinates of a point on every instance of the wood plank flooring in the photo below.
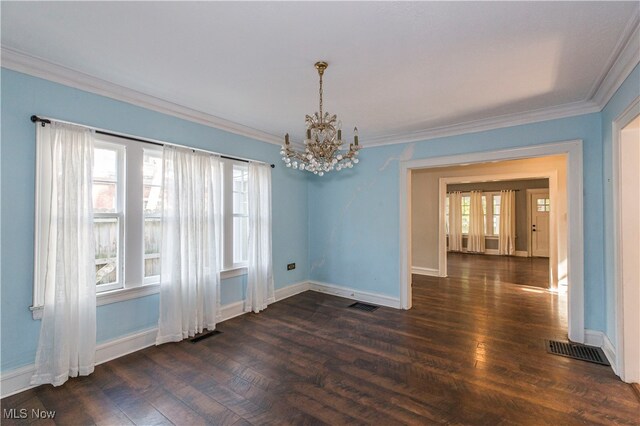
(531, 271)
(471, 351)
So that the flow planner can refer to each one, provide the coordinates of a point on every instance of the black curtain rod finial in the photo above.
(35, 119)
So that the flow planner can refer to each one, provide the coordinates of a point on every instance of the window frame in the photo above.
(229, 267)
(119, 214)
(153, 279)
(131, 198)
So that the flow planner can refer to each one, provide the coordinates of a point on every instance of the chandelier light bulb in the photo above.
(322, 145)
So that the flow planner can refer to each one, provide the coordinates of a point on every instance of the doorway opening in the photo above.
(502, 226)
(566, 253)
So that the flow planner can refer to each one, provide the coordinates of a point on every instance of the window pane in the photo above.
(105, 164)
(152, 235)
(496, 225)
(106, 232)
(240, 178)
(104, 197)
(106, 273)
(152, 168)
(152, 267)
(465, 224)
(152, 199)
(240, 202)
(240, 238)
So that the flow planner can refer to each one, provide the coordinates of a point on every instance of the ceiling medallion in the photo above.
(322, 147)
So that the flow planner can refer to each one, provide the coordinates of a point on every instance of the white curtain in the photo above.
(67, 343)
(475, 242)
(507, 237)
(260, 290)
(455, 221)
(190, 248)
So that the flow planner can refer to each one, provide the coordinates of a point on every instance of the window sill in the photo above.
(122, 294)
(235, 272)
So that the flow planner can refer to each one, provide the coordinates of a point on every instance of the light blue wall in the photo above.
(625, 95)
(354, 216)
(23, 96)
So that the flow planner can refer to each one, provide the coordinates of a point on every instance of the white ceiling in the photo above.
(395, 68)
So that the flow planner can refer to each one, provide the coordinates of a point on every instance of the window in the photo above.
(235, 194)
(152, 210)
(127, 188)
(490, 209)
(127, 204)
(466, 208)
(542, 204)
(108, 190)
(495, 225)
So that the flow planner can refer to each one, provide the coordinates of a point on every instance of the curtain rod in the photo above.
(36, 119)
(485, 190)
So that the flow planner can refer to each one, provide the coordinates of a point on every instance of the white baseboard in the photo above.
(19, 380)
(491, 252)
(601, 340)
(517, 253)
(359, 295)
(419, 270)
(610, 352)
(593, 338)
(291, 290)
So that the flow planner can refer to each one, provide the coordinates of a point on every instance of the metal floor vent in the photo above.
(204, 335)
(364, 306)
(577, 351)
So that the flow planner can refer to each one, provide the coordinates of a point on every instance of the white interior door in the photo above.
(540, 207)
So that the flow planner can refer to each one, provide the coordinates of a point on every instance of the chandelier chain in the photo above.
(320, 97)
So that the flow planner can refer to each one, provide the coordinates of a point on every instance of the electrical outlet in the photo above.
(291, 266)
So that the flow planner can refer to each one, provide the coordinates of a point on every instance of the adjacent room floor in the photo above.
(531, 271)
(471, 351)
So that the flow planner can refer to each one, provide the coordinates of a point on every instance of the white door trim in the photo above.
(618, 124)
(575, 238)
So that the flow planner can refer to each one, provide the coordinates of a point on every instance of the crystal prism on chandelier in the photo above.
(323, 145)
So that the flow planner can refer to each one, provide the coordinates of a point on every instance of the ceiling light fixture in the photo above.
(322, 151)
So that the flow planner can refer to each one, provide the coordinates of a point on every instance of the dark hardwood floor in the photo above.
(531, 271)
(471, 351)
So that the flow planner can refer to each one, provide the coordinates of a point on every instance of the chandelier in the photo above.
(323, 145)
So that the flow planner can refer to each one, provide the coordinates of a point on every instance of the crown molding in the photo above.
(528, 117)
(627, 56)
(38, 67)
